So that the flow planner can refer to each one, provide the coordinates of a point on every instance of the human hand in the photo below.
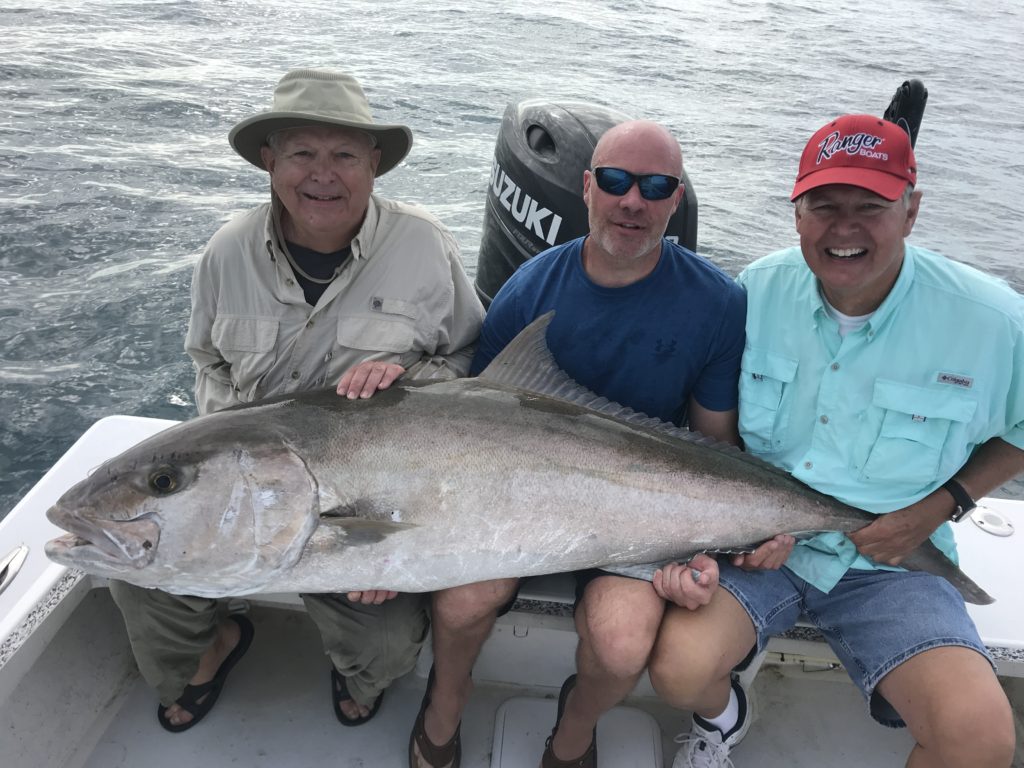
(372, 596)
(367, 377)
(770, 555)
(688, 585)
(891, 537)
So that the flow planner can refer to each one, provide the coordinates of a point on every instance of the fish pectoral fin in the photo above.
(359, 530)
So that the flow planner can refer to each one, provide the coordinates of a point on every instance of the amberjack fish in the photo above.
(518, 472)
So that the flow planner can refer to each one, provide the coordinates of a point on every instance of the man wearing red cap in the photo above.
(893, 379)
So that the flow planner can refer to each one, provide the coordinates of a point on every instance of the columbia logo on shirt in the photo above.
(957, 381)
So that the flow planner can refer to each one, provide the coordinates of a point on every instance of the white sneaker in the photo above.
(707, 747)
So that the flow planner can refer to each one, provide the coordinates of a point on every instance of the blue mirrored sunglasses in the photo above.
(653, 186)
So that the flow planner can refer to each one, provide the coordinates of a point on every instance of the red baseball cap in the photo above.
(860, 150)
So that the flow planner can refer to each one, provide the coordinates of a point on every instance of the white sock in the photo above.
(730, 716)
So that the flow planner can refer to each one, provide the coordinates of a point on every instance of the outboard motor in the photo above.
(535, 198)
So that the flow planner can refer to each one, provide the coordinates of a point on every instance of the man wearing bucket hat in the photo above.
(893, 379)
(326, 284)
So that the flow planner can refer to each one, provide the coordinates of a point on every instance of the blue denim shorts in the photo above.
(873, 620)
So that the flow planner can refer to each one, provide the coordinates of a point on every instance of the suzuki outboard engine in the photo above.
(535, 198)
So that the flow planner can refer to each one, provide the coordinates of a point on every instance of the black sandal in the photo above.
(339, 694)
(448, 755)
(198, 700)
(548, 760)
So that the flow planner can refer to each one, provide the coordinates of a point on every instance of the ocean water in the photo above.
(115, 167)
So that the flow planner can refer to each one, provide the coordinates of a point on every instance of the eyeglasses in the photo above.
(653, 186)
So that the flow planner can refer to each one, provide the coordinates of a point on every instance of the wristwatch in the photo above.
(962, 499)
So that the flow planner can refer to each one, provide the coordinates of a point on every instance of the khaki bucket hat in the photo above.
(306, 97)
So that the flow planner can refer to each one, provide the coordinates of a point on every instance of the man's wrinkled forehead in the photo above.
(841, 193)
(318, 132)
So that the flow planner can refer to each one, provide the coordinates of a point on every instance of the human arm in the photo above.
(461, 315)
(214, 388)
(501, 325)
(720, 425)
(891, 537)
(688, 585)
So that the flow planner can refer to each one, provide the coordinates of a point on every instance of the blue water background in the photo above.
(115, 168)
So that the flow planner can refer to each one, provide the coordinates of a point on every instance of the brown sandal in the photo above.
(448, 755)
(589, 758)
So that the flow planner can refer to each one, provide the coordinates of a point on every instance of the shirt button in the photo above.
(328, 356)
(310, 323)
(295, 374)
(808, 465)
(289, 281)
(835, 366)
(823, 419)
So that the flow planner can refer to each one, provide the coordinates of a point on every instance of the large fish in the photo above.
(429, 485)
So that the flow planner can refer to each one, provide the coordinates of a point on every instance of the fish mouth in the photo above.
(104, 542)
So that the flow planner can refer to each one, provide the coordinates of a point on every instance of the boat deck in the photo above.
(276, 711)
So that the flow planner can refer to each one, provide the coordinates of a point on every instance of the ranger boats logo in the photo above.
(856, 144)
(524, 209)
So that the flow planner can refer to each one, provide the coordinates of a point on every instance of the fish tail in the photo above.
(927, 557)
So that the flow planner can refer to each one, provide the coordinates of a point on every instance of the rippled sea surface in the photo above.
(115, 167)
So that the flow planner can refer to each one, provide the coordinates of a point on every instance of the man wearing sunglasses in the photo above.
(645, 323)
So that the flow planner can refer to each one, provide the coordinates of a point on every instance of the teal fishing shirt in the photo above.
(882, 417)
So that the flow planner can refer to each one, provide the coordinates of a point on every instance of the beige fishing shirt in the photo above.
(402, 298)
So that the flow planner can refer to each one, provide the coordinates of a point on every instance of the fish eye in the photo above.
(164, 480)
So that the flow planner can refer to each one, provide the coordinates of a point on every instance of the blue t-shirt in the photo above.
(648, 345)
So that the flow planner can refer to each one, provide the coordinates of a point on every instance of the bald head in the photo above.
(628, 138)
(626, 228)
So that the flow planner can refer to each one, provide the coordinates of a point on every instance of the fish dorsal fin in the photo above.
(526, 363)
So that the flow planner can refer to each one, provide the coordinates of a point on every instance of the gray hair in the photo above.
(274, 138)
(908, 192)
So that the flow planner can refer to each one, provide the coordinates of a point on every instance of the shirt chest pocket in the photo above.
(914, 428)
(246, 335)
(390, 331)
(249, 345)
(764, 379)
